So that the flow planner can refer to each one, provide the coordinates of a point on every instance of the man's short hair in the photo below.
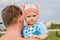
(10, 14)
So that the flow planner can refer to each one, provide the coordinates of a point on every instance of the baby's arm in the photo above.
(44, 32)
(41, 37)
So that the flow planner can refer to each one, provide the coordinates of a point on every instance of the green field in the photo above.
(51, 36)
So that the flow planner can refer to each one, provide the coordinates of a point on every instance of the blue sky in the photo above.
(49, 9)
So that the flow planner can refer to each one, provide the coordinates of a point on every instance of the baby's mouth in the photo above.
(32, 20)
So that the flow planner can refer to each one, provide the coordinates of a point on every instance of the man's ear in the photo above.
(21, 19)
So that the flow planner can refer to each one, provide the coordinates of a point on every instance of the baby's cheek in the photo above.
(35, 18)
(27, 19)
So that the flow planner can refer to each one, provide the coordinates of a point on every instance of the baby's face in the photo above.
(31, 18)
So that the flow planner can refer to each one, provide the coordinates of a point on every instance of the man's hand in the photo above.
(35, 36)
(32, 38)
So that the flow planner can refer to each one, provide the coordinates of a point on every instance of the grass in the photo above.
(53, 36)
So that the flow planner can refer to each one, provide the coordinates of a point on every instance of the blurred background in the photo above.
(49, 15)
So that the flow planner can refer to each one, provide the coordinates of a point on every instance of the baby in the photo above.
(33, 27)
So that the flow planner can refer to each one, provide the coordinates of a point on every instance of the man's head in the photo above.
(31, 13)
(11, 14)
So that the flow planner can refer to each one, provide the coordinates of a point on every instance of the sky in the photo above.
(49, 9)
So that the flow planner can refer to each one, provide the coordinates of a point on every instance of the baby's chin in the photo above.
(32, 23)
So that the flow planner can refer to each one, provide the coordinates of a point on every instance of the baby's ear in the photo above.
(37, 6)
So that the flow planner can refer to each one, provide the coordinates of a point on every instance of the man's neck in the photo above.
(14, 29)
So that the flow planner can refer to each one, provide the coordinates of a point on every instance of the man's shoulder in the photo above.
(3, 38)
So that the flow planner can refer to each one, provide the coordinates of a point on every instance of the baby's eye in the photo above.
(34, 15)
(28, 16)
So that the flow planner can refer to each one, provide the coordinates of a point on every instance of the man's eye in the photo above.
(28, 16)
(34, 15)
